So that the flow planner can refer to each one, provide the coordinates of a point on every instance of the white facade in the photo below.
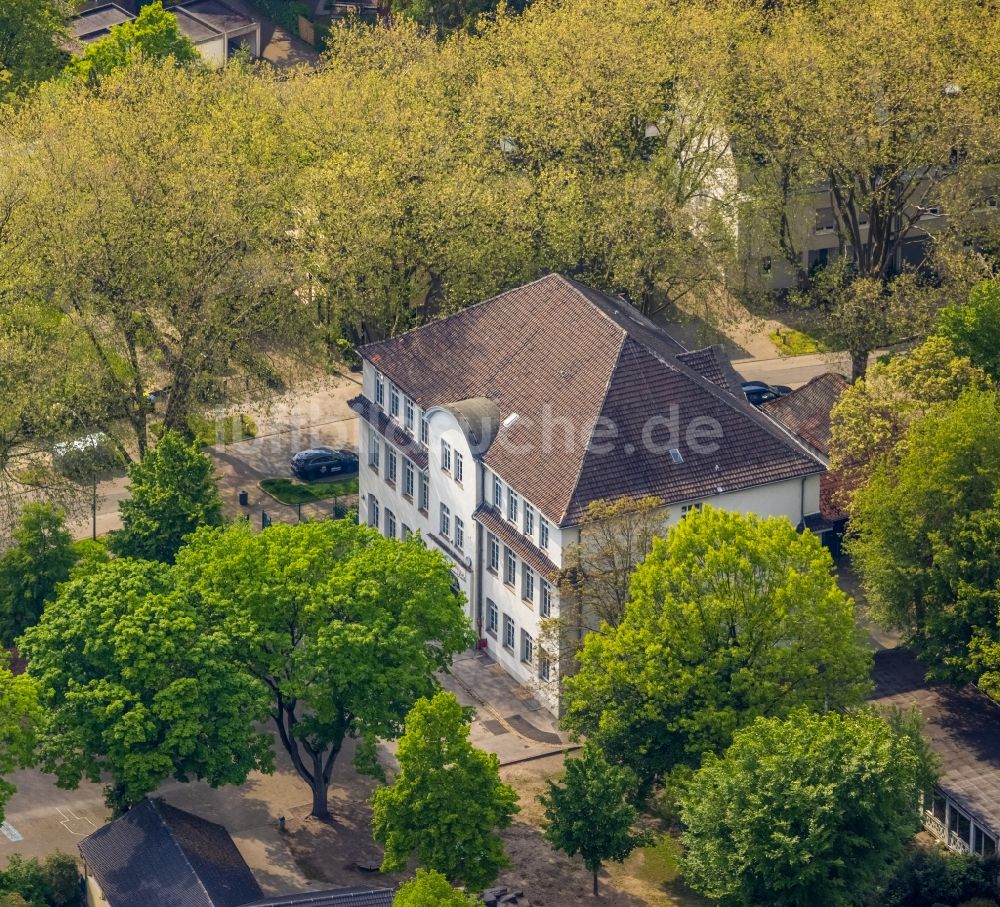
(499, 572)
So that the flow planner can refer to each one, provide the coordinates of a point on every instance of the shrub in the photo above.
(929, 877)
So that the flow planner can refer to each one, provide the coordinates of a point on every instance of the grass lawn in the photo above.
(791, 342)
(291, 491)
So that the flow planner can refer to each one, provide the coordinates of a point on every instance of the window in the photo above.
(459, 468)
(446, 456)
(492, 553)
(394, 401)
(390, 464)
(689, 508)
(374, 448)
(445, 521)
(983, 844)
(527, 583)
(545, 606)
(527, 648)
(407, 533)
(512, 504)
(373, 511)
(408, 414)
(509, 567)
(423, 430)
(492, 617)
(543, 532)
(497, 494)
(390, 523)
(529, 519)
(544, 666)
(380, 391)
(508, 632)
(459, 533)
(425, 493)
(407, 478)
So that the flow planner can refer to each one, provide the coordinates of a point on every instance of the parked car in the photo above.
(757, 392)
(322, 462)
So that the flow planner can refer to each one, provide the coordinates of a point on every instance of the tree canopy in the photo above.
(974, 328)
(30, 33)
(447, 804)
(729, 618)
(810, 809)
(591, 813)
(153, 34)
(431, 889)
(19, 717)
(172, 492)
(345, 628)
(139, 681)
(925, 533)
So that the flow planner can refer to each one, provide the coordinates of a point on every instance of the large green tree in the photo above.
(974, 328)
(153, 34)
(873, 415)
(154, 214)
(345, 628)
(925, 533)
(812, 809)
(19, 717)
(730, 617)
(830, 109)
(139, 683)
(447, 805)
(30, 34)
(591, 813)
(30, 570)
(172, 492)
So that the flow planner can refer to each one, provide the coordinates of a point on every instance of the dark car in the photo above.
(320, 462)
(757, 392)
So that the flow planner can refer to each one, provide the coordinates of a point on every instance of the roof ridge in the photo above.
(590, 437)
(475, 305)
(156, 808)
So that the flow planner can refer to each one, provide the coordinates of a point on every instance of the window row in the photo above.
(520, 513)
(446, 524)
(401, 408)
(391, 472)
(509, 563)
(452, 462)
(384, 520)
(509, 639)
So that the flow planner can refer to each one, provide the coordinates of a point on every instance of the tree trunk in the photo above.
(320, 807)
(859, 364)
(597, 894)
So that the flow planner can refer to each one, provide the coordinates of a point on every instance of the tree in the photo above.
(153, 34)
(153, 214)
(30, 34)
(431, 889)
(172, 492)
(53, 882)
(925, 533)
(873, 415)
(19, 716)
(139, 684)
(882, 135)
(447, 804)
(591, 814)
(441, 16)
(729, 618)
(614, 537)
(30, 571)
(810, 809)
(345, 628)
(974, 328)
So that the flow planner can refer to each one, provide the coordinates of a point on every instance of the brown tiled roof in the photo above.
(568, 361)
(712, 363)
(389, 429)
(806, 410)
(491, 520)
(961, 725)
